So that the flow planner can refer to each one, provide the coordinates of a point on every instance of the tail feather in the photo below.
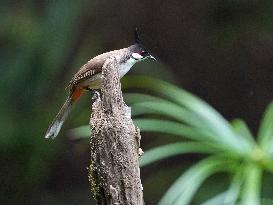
(57, 123)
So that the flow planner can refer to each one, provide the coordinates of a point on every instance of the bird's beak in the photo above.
(152, 58)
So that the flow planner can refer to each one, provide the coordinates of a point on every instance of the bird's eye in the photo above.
(142, 53)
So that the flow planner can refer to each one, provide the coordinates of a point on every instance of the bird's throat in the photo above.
(126, 66)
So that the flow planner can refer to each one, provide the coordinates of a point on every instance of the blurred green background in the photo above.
(219, 50)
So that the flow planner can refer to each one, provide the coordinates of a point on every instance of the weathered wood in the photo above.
(114, 170)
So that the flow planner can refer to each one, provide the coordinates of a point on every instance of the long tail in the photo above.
(58, 121)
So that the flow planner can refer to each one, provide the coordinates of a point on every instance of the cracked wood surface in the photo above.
(114, 171)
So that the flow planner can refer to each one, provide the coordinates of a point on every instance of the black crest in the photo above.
(137, 39)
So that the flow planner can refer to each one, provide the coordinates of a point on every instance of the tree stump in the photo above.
(114, 171)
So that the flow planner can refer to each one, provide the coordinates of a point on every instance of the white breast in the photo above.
(125, 67)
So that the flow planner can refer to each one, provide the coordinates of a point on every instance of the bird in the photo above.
(89, 77)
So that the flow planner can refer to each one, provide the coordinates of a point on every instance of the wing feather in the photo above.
(93, 67)
(89, 69)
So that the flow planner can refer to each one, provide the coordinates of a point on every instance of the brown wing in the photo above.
(91, 68)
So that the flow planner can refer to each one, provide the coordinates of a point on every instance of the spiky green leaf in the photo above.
(170, 150)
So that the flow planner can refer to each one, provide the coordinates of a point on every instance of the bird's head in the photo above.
(138, 51)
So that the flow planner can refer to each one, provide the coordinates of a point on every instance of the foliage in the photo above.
(37, 41)
(43, 43)
(229, 147)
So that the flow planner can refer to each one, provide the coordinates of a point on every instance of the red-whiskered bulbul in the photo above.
(89, 78)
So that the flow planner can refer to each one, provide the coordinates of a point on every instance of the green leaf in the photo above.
(217, 123)
(168, 109)
(173, 128)
(218, 199)
(265, 134)
(230, 196)
(252, 187)
(182, 191)
(233, 192)
(242, 129)
(170, 150)
(133, 98)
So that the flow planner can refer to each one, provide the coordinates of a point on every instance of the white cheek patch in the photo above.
(137, 56)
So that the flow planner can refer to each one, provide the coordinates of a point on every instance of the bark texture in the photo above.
(114, 171)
